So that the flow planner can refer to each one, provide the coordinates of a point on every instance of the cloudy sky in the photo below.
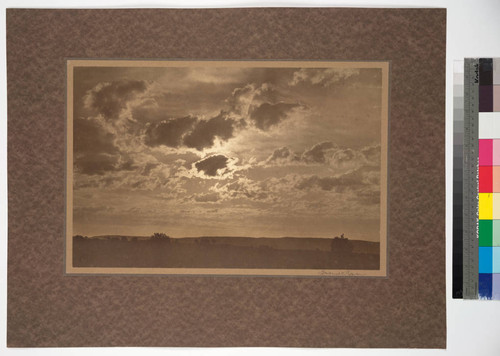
(227, 151)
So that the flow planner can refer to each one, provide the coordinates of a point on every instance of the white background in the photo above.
(473, 30)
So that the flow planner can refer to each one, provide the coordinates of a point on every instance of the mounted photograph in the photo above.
(227, 167)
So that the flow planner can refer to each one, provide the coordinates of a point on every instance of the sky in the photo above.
(227, 151)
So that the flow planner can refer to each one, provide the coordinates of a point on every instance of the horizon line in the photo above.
(225, 236)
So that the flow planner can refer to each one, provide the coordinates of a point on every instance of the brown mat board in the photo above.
(48, 308)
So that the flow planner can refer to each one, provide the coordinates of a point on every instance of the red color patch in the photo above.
(485, 179)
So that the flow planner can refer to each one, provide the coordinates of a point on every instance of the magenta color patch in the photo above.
(485, 152)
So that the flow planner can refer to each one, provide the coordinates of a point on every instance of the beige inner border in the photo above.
(382, 272)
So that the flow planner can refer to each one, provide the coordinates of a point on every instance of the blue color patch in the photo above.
(485, 285)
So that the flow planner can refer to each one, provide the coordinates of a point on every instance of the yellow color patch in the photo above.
(485, 206)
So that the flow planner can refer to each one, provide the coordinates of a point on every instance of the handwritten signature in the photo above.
(339, 273)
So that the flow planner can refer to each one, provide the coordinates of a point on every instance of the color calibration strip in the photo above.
(458, 156)
(489, 179)
(476, 179)
(470, 179)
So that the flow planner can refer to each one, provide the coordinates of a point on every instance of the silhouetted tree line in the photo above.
(160, 236)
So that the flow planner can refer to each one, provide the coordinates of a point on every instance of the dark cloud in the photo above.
(283, 154)
(101, 164)
(94, 151)
(190, 132)
(211, 165)
(138, 184)
(109, 99)
(93, 148)
(98, 163)
(268, 115)
(169, 132)
(207, 198)
(268, 93)
(204, 132)
(251, 94)
(148, 167)
(125, 164)
(90, 137)
(317, 152)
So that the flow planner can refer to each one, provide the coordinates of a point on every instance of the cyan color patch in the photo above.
(485, 259)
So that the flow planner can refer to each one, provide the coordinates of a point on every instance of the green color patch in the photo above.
(486, 233)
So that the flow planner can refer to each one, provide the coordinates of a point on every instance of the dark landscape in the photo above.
(161, 251)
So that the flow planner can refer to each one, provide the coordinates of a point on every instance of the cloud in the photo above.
(323, 77)
(244, 188)
(371, 153)
(169, 132)
(326, 153)
(324, 183)
(91, 137)
(211, 165)
(110, 98)
(349, 181)
(281, 156)
(241, 98)
(263, 105)
(148, 167)
(204, 132)
(317, 152)
(268, 115)
(267, 93)
(98, 163)
(244, 98)
(94, 149)
(190, 132)
(210, 197)
(143, 176)
(347, 158)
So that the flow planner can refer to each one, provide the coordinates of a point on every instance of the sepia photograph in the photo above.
(227, 167)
